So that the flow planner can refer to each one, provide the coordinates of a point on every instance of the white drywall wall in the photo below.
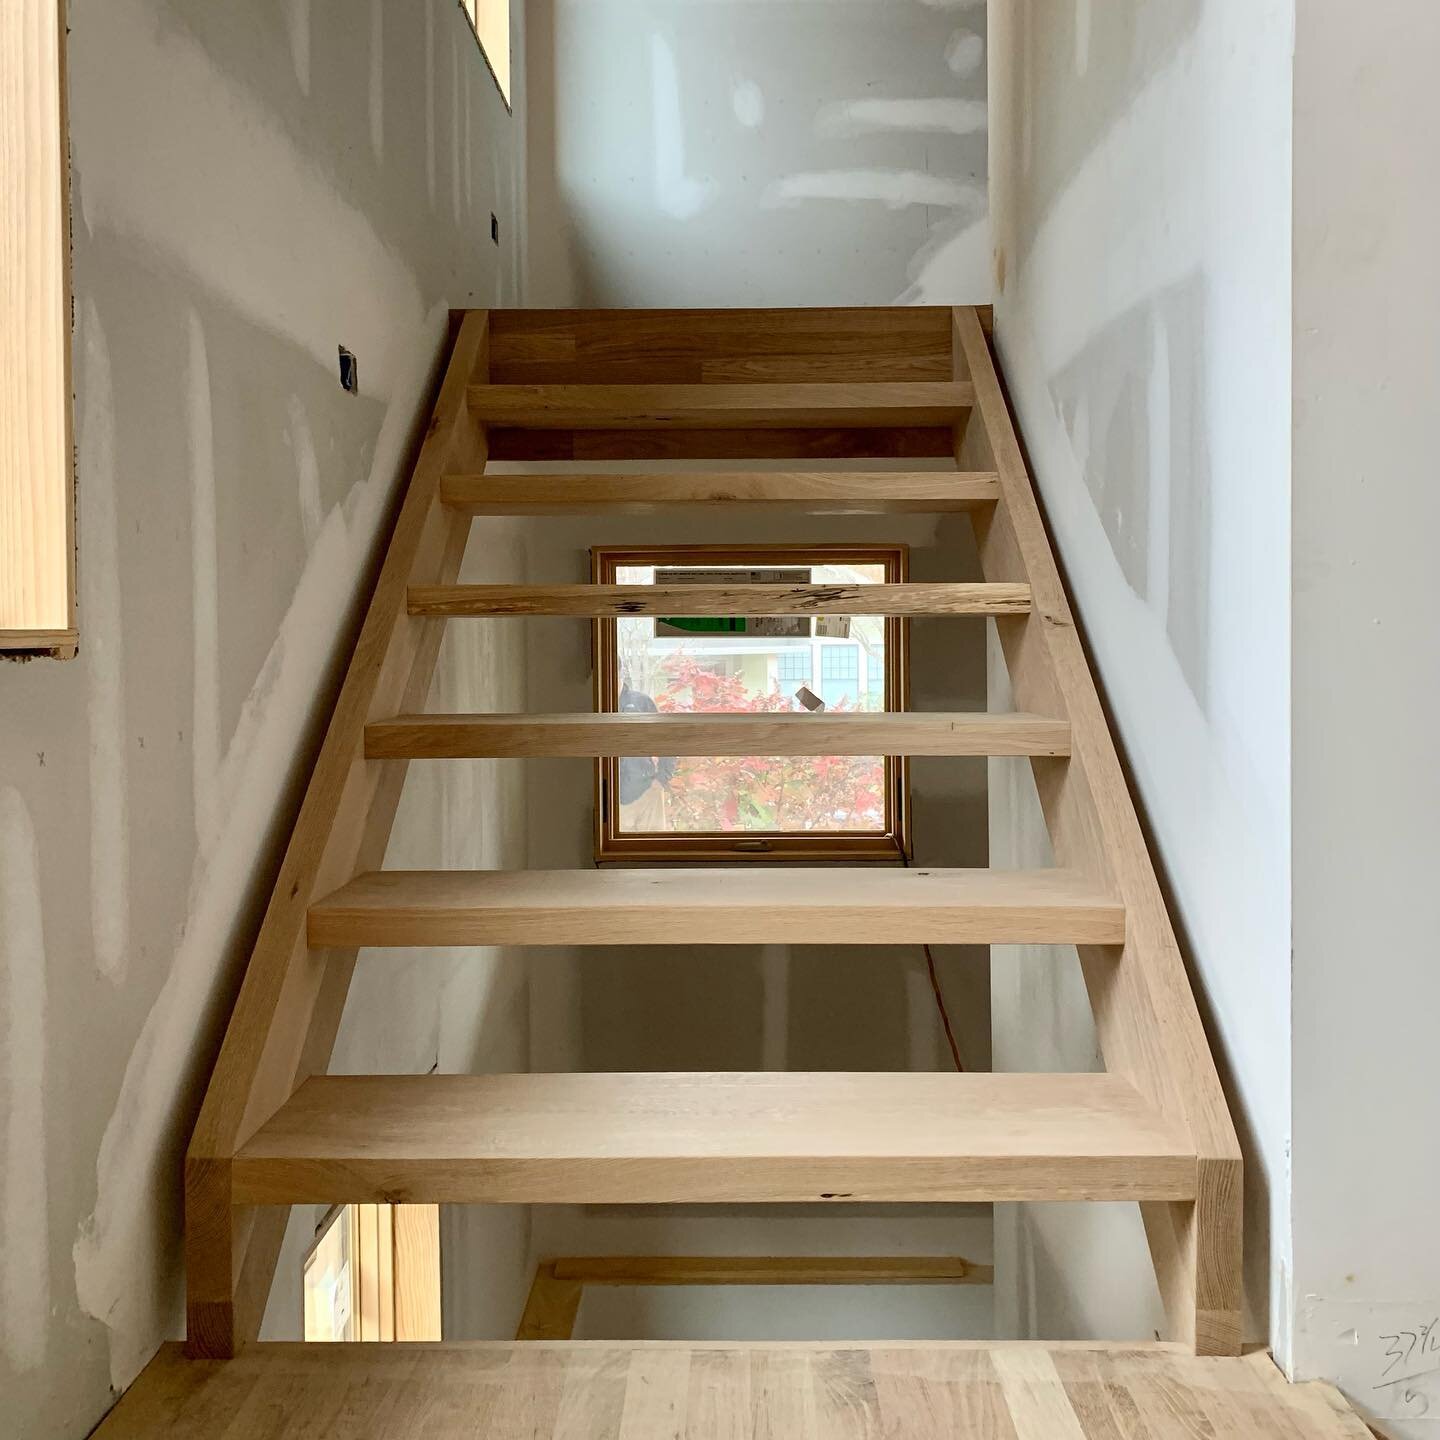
(1366, 696)
(255, 185)
(758, 152)
(1141, 194)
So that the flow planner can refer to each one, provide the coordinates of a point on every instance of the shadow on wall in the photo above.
(1134, 405)
(731, 153)
(1113, 48)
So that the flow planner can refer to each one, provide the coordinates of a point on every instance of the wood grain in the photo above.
(602, 601)
(453, 737)
(808, 492)
(1145, 1011)
(719, 407)
(36, 498)
(772, 1270)
(552, 1306)
(811, 442)
(880, 906)
(579, 347)
(608, 1391)
(288, 1009)
(721, 1138)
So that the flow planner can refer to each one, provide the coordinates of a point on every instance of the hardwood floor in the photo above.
(605, 1391)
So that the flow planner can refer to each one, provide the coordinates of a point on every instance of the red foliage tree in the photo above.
(752, 792)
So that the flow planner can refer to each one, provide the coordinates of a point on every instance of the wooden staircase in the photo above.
(276, 1130)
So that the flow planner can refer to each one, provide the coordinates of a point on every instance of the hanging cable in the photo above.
(934, 970)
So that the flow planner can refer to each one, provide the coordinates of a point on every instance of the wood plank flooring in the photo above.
(606, 1391)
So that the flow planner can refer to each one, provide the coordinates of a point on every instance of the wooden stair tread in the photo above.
(812, 492)
(742, 1137)
(910, 598)
(757, 905)
(721, 407)
(464, 737)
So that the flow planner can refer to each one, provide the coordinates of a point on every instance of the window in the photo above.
(373, 1273)
(36, 529)
(781, 807)
(491, 19)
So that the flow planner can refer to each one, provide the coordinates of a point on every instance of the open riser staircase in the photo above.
(276, 1130)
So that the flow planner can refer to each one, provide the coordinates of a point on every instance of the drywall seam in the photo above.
(377, 80)
(895, 189)
(102, 611)
(24, 1201)
(943, 115)
(136, 1166)
(206, 742)
(677, 194)
(307, 471)
(210, 228)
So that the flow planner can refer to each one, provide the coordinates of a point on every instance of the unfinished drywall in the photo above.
(255, 185)
(758, 152)
(1366, 689)
(1141, 183)
(761, 1007)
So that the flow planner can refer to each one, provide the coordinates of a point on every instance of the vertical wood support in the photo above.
(1145, 1013)
(288, 1011)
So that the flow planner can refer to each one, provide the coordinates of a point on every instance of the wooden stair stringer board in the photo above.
(1145, 1011)
(286, 1015)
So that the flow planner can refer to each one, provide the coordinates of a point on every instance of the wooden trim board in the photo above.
(285, 1018)
(878, 492)
(449, 737)
(604, 601)
(37, 499)
(733, 1137)
(720, 407)
(1145, 1013)
(823, 905)
(557, 1291)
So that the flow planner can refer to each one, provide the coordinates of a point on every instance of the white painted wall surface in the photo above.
(1140, 186)
(1366, 693)
(255, 185)
(758, 152)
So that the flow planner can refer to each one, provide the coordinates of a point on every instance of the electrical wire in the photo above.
(934, 970)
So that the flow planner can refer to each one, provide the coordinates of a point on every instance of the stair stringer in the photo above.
(288, 1011)
(1145, 1012)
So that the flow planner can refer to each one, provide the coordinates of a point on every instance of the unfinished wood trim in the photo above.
(610, 601)
(418, 1314)
(57, 644)
(551, 1308)
(457, 737)
(37, 538)
(720, 407)
(733, 1137)
(879, 906)
(765, 444)
(284, 1021)
(772, 1270)
(1145, 1011)
(874, 492)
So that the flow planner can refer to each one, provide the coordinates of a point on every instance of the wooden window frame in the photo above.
(37, 488)
(892, 846)
(395, 1282)
(471, 9)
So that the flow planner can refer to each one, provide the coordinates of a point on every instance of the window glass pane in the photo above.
(747, 665)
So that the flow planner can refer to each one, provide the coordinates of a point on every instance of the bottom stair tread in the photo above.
(657, 1391)
(728, 1136)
